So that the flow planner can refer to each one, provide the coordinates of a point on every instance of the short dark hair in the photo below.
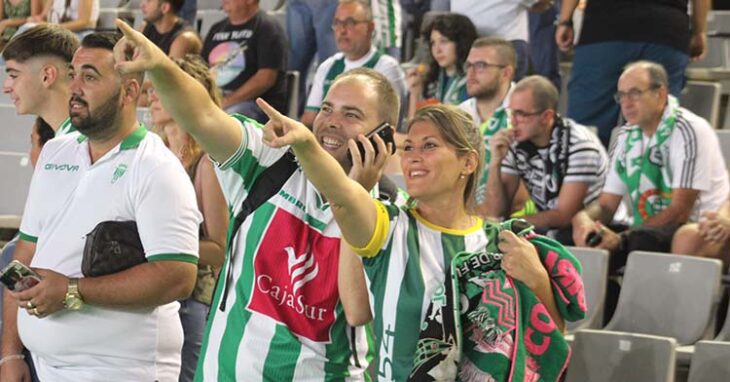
(457, 28)
(107, 40)
(44, 130)
(101, 40)
(42, 40)
(175, 5)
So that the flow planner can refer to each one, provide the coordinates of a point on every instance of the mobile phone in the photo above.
(594, 238)
(385, 132)
(17, 277)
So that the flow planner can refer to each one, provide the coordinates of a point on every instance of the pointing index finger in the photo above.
(127, 30)
(272, 113)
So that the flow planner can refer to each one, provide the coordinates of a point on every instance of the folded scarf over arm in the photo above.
(484, 325)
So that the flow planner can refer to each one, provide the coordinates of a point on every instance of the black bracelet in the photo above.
(566, 23)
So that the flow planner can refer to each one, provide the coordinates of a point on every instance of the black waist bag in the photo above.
(111, 247)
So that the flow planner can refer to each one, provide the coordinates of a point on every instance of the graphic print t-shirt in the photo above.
(237, 52)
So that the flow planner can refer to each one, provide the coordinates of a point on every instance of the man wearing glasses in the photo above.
(353, 26)
(666, 159)
(562, 163)
(489, 69)
(248, 52)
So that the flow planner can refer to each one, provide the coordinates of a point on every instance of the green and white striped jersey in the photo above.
(403, 275)
(387, 18)
(283, 320)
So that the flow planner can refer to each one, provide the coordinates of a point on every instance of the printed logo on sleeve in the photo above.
(296, 277)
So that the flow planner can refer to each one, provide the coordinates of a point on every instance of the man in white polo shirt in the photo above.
(353, 26)
(36, 63)
(120, 326)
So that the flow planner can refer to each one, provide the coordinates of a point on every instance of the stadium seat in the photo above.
(16, 173)
(724, 137)
(15, 130)
(595, 276)
(601, 356)
(718, 23)
(668, 295)
(710, 362)
(703, 99)
(716, 63)
(684, 353)
(206, 19)
(292, 91)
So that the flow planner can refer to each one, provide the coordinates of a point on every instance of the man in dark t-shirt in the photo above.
(618, 32)
(171, 33)
(248, 53)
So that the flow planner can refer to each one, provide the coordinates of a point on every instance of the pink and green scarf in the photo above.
(483, 325)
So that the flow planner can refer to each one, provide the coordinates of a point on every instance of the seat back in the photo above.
(724, 137)
(603, 356)
(595, 275)
(668, 295)
(718, 22)
(15, 130)
(16, 173)
(710, 362)
(717, 56)
(703, 99)
(292, 94)
(206, 18)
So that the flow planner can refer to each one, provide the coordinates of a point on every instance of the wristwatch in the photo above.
(566, 23)
(73, 300)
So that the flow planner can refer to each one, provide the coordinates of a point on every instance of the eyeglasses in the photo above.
(347, 23)
(481, 66)
(151, 92)
(633, 94)
(521, 114)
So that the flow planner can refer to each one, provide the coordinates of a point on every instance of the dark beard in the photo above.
(487, 94)
(101, 123)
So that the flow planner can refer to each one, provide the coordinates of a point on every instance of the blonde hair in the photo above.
(459, 130)
(194, 66)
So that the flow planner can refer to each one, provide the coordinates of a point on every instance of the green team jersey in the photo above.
(405, 263)
(282, 320)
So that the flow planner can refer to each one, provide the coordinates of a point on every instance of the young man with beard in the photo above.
(119, 326)
(561, 163)
(489, 70)
(168, 31)
(276, 311)
(37, 64)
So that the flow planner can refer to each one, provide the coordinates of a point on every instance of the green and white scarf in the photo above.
(450, 90)
(498, 121)
(642, 169)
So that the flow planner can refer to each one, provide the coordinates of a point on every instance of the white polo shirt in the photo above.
(138, 180)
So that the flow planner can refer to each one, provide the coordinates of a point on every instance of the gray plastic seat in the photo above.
(668, 295)
(595, 276)
(603, 356)
(710, 362)
(724, 137)
(703, 99)
(17, 172)
(292, 91)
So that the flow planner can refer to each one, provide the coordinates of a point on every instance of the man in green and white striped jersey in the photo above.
(278, 316)
(37, 63)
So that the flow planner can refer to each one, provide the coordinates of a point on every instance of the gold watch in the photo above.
(73, 300)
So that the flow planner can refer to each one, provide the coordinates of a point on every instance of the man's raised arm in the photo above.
(185, 99)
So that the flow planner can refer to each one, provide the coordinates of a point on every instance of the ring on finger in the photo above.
(30, 304)
(35, 312)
